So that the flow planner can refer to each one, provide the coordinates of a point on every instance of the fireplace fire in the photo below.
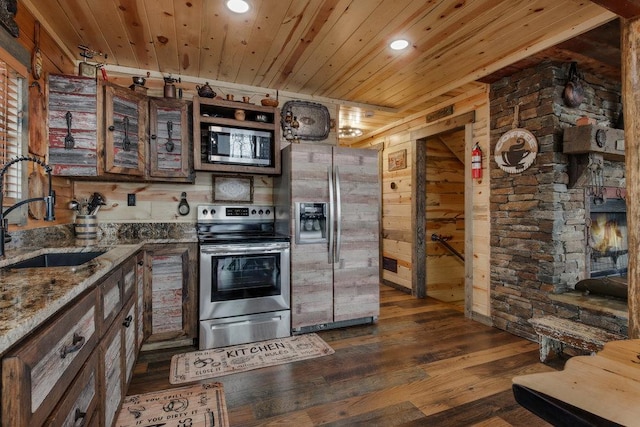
(608, 245)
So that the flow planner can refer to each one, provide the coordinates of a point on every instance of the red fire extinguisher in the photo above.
(476, 162)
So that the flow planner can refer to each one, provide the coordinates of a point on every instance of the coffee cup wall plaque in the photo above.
(516, 150)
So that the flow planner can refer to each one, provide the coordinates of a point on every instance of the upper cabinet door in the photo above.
(170, 130)
(125, 131)
(73, 118)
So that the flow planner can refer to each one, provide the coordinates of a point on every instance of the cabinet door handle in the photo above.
(76, 344)
(126, 143)
(127, 321)
(80, 416)
(169, 145)
(68, 140)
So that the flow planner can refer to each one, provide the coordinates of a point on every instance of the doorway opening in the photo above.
(440, 213)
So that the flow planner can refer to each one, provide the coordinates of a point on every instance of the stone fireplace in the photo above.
(541, 218)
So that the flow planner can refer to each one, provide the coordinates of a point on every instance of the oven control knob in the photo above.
(260, 212)
(253, 212)
(267, 212)
(204, 212)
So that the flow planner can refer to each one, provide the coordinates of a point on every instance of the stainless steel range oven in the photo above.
(244, 276)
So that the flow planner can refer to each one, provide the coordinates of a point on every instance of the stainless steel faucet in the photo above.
(49, 200)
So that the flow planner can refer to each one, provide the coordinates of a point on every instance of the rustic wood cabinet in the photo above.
(118, 349)
(170, 295)
(117, 359)
(125, 121)
(218, 112)
(110, 298)
(170, 130)
(75, 370)
(101, 131)
(38, 373)
(111, 373)
(73, 125)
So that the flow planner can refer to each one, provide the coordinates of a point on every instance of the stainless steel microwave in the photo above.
(239, 146)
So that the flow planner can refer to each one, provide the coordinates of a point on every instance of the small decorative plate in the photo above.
(516, 150)
(233, 189)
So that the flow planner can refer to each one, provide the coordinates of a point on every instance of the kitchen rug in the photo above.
(200, 365)
(200, 405)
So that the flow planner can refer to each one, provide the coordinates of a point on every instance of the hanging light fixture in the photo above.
(238, 6)
(349, 132)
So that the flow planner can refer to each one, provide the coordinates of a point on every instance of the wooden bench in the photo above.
(555, 332)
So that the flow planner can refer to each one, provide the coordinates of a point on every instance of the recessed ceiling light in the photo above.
(399, 44)
(238, 6)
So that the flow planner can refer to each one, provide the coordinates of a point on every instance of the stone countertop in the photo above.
(30, 296)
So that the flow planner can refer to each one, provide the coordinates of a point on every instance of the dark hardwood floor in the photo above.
(421, 364)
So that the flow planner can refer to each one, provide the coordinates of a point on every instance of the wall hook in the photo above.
(183, 206)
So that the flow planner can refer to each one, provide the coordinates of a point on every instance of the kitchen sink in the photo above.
(57, 259)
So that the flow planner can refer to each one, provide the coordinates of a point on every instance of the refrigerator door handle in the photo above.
(331, 214)
(338, 216)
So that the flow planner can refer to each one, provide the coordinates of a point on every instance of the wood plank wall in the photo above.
(479, 237)
(158, 202)
(397, 223)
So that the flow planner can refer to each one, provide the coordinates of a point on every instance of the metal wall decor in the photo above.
(305, 120)
(516, 150)
(573, 93)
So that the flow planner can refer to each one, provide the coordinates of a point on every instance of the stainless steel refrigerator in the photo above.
(328, 200)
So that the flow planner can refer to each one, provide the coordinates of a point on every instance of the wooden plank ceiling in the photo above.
(335, 49)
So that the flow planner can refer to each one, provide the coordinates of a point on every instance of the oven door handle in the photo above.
(226, 250)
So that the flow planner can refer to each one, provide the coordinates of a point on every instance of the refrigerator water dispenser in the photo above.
(311, 222)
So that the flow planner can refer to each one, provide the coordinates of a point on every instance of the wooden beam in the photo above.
(419, 215)
(631, 106)
(468, 222)
(628, 9)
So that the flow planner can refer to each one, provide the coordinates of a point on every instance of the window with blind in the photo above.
(11, 130)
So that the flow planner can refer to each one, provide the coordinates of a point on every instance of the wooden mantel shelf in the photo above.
(590, 144)
(605, 305)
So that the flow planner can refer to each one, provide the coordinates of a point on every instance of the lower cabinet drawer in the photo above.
(80, 405)
(110, 294)
(37, 373)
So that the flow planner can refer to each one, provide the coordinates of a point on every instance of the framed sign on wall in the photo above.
(397, 160)
(233, 188)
